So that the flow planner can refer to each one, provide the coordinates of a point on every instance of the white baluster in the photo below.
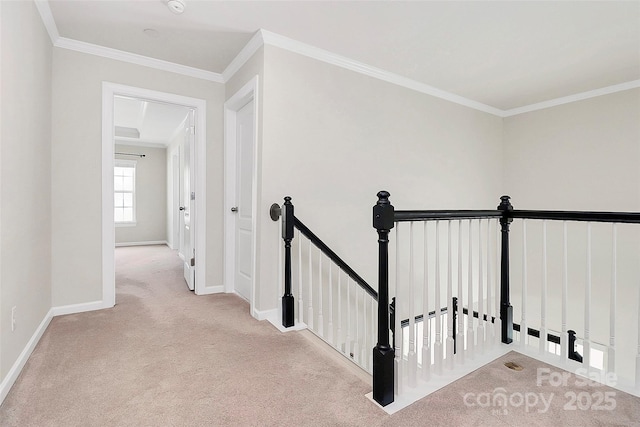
(339, 334)
(348, 343)
(426, 339)
(300, 299)
(460, 334)
(480, 335)
(489, 323)
(543, 292)
(438, 354)
(398, 356)
(638, 355)
(564, 339)
(523, 323)
(310, 311)
(320, 328)
(373, 334)
(449, 299)
(364, 348)
(470, 328)
(412, 357)
(586, 344)
(611, 357)
(356, 341)
(330, 324)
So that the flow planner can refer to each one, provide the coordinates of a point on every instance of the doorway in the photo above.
(196, 198)
(241, 193)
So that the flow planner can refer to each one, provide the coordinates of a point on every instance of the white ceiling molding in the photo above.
(572, 98)
(245, 54)
(359, 67)
(138, 143)
(133, 58)
(262, 37)
(47, 19)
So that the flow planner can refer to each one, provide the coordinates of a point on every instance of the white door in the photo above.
(244, 198)
(188, 204)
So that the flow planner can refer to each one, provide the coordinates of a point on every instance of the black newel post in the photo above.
(506, 310)
(287, 235)
(383, 383)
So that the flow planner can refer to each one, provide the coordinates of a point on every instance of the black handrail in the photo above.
(445, 214)
(334, 257)
(620, 217)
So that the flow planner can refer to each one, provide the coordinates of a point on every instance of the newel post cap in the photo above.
(383, 212)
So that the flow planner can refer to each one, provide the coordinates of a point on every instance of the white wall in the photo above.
(579, 156)
(25, 191)
(151, 196)
(333, 138)
(76, 173)
(582, 155)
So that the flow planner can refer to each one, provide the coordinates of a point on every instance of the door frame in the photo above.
(109, 90)
(248, 93)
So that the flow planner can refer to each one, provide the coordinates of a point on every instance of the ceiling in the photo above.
(140, 122)
(502, 54)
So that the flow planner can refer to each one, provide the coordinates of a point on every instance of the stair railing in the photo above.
(479, 312)
(477, 299)
(333, 301)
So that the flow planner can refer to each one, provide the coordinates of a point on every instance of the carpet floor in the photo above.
(165, 357)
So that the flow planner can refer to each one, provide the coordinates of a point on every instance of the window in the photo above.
(124, 192)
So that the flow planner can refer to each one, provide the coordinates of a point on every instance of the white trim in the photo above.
(362, 68)
(208, 290)
(573, 98)
(133, 58)
(245, 54)
(109, 90)
(246, 94)
(148, 243)
(61, 310)
(266, 314)
(15, 370)
(47, 20)
(140, 143)
(263, 37)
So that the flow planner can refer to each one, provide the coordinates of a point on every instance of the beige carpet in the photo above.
(165, 357)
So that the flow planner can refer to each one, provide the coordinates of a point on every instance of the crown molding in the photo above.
(134, 58)
(140, 143)
(252, 46)
(573, 98)
(47, 19)
(264, 37)
(368, 70)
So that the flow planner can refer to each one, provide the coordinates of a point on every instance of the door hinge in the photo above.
(193, 262)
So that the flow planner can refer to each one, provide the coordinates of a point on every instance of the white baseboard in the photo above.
(15, 370)
(151, 242)
(212, 290)
(265, 315)
(77, 308)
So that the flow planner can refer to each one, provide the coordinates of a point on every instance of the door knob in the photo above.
(234, 209)
(182, 208)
